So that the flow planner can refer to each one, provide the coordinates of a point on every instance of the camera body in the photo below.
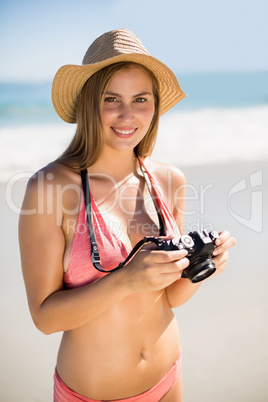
(200, 246)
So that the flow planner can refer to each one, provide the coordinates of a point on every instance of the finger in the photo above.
(172, 272)
(223, 236)
(230, 242)
(162, 256)
(176, 266)
(221, 262)
(223, 257)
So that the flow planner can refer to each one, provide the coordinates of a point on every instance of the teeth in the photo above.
(123, 131)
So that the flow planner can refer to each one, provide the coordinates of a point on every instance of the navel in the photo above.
(144, 354)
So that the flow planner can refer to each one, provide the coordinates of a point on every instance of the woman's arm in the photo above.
(42, 245)
(182, 290)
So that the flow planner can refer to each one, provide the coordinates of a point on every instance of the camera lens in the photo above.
(200, 270)
(203, 274)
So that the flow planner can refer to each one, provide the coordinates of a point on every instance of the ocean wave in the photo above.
(185, 138)
(212, 136)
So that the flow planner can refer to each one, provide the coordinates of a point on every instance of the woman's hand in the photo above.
(220, 254)
(152, 270)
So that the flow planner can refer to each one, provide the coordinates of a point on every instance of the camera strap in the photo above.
(95, 255)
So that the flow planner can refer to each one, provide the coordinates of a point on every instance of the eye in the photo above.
(110, 99)
(140, 100)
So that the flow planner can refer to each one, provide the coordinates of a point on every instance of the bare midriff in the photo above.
(122, 352)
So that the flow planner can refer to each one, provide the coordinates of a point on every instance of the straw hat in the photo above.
(111, 47)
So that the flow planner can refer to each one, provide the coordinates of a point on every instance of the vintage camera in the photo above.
(200, 246)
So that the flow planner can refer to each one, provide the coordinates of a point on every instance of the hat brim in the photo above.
(70, 79)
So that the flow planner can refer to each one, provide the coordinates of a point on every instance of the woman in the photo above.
(120, 339)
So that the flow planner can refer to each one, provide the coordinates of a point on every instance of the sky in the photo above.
(38, 37)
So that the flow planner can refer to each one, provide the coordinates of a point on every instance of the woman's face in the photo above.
(127, 109)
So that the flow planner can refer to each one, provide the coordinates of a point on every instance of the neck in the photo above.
(117, 164)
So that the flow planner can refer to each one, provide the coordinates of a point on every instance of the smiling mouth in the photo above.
(124, 132)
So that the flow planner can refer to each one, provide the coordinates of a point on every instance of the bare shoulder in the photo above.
(164, 172)
(172, 182)
(54, 173)
(55, 183)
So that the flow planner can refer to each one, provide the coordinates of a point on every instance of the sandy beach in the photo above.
(223, 328)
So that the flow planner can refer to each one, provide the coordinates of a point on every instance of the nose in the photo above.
(126, 113)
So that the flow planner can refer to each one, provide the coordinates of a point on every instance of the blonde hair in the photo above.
(86, 146)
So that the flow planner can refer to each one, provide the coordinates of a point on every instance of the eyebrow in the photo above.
(135, 96)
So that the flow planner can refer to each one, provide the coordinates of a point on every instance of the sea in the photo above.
(223, 119)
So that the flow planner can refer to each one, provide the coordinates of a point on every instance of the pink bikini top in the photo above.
(112, 250)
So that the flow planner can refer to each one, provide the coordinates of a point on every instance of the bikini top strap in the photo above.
(162, 229)
(95, 255)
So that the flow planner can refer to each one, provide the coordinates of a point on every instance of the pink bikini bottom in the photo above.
(62, 393)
